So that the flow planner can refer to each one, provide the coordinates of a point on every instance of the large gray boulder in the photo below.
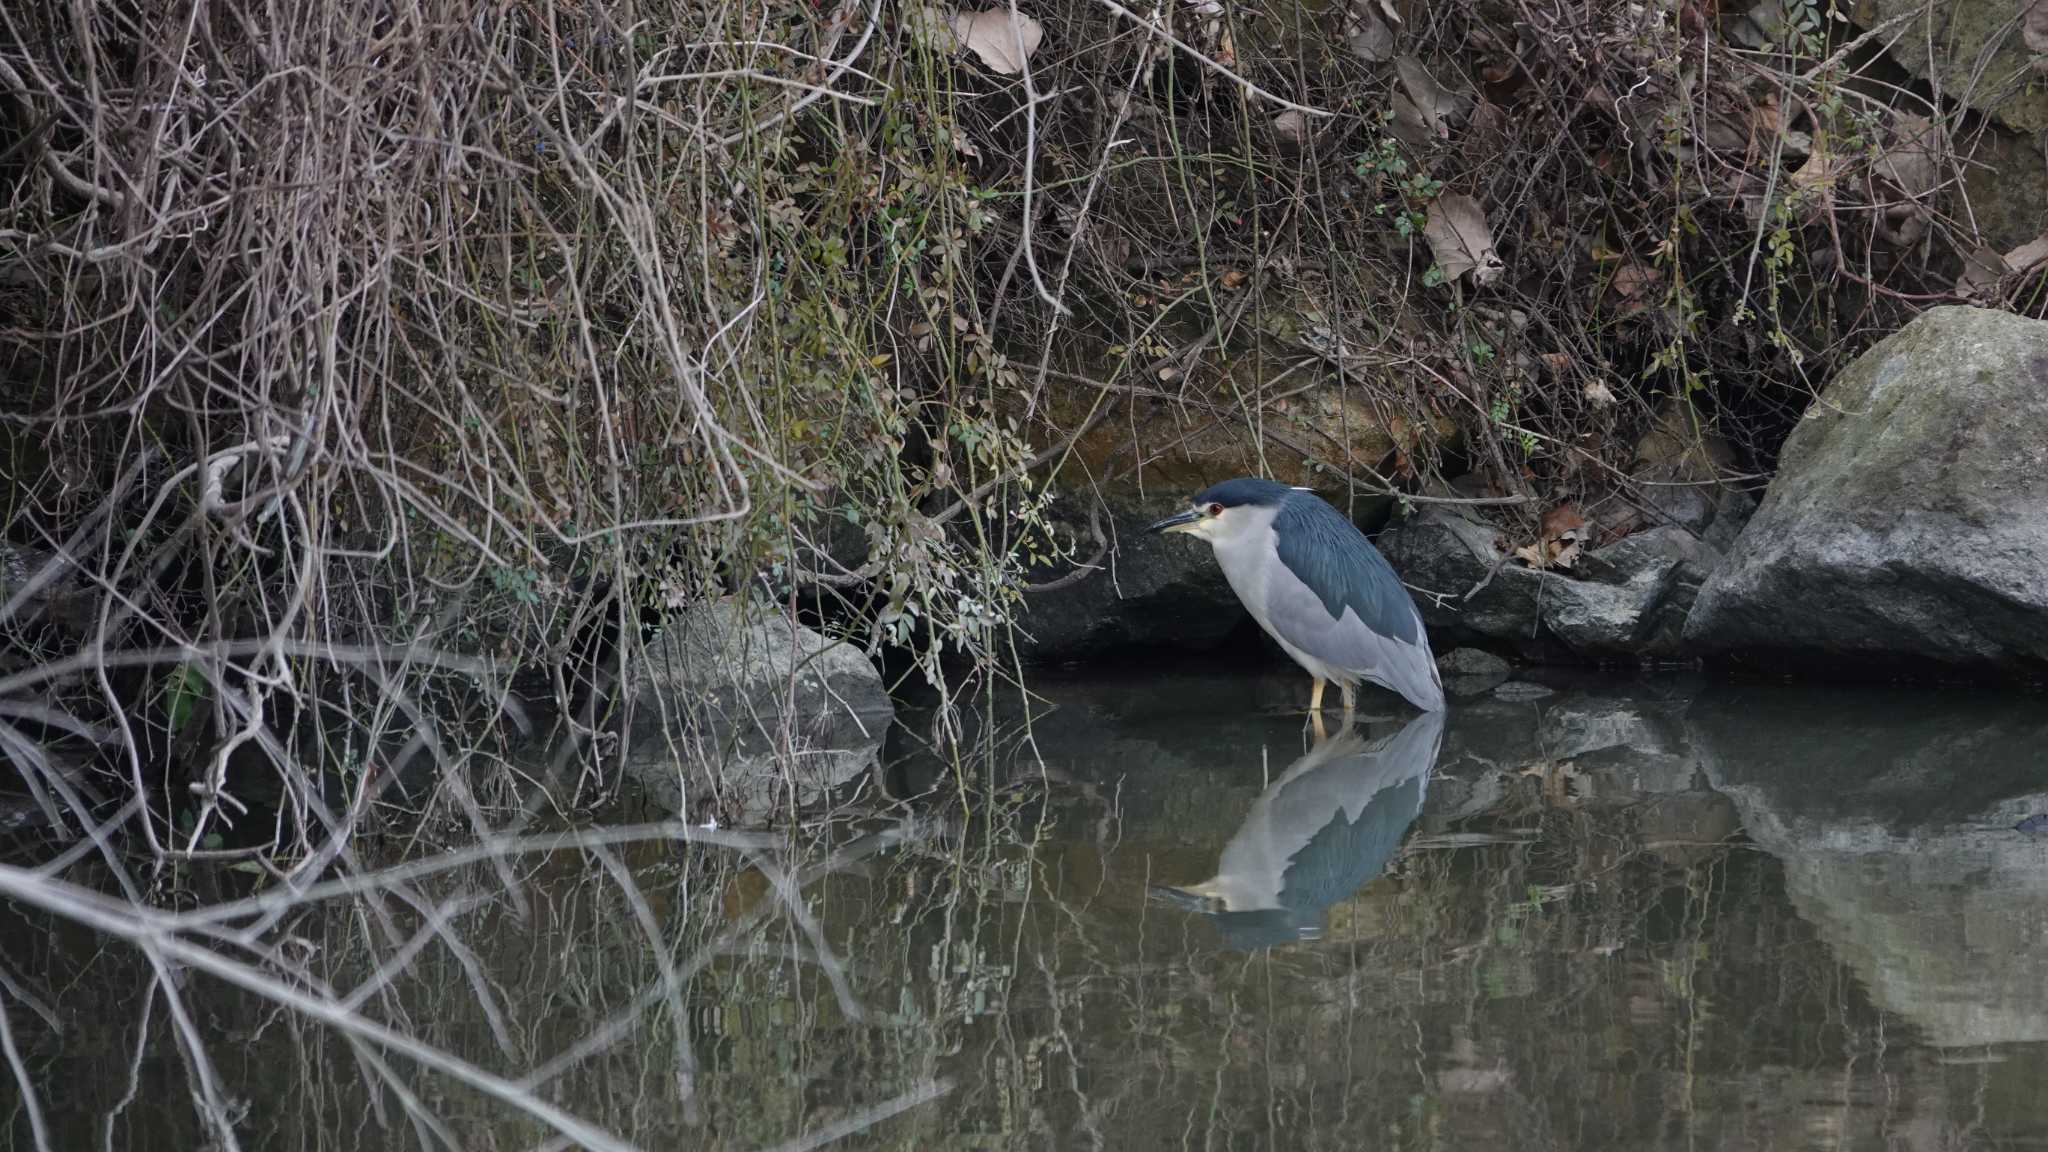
(738, 711)
(1908, 522)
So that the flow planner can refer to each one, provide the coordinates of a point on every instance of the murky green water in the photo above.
(1629, 917)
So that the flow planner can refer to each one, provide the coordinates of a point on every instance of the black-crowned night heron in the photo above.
(1329, 824)
(1318, 586)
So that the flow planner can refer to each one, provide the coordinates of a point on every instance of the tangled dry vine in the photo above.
(360, 356)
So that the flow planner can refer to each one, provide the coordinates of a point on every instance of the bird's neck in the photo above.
(1242, 555)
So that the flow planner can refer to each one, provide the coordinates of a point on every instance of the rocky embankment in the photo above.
(1906, 531)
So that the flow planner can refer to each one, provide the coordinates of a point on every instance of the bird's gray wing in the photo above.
(1337, 599)
(1371, 813)
(1346, 642)
(1327, 552)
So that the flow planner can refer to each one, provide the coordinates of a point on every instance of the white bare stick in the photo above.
(1212, 65)
(94, 911)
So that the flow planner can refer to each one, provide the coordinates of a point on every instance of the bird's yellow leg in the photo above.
(1315, 696)
(1350, 702)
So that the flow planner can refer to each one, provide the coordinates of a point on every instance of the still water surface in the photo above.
(1640, 916)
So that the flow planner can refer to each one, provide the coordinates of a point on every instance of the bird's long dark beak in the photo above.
(1181, 898)
(1175, 520)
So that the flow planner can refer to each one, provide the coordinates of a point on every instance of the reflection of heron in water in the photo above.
(1325, 827)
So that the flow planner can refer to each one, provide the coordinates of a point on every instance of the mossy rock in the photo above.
(1972, 47)
(1909, 517)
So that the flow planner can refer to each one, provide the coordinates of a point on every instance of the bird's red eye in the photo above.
(1215, 509)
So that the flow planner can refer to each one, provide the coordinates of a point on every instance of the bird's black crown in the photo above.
(1243, 490)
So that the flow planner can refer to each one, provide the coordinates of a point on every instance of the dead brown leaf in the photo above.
(2030, 255)
(1720, 128)
(1423, 106)
(2034, 33)
(1632, 285)
(1820, 170)
(1367, 35)
(1563, 534)
(928, 25)
(1773, 129)
(1984, 272)
(1562, 519)
(1981, 274)
(1487, 134)
(1003, 42)
(1460, 239)
(1912, 162)
(1564, 551)
(1410, 125)
(1599, 395)
(1291, 127)
(1764, 114)
(1560, 781)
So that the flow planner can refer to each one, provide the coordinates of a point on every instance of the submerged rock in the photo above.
(1520, 691)
(738, 707)
(1472, 672)
(1909, 518)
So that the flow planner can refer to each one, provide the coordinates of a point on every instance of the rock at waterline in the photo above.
(1908, 521)
(737, 705)
(1627, 599)
(1471, 672)
(1151, 590)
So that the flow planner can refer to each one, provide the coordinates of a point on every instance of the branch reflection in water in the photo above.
(1603, 919)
